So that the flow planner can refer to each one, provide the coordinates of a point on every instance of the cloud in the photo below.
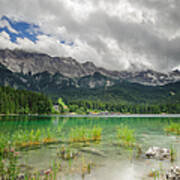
(5, 41)
(115, 34)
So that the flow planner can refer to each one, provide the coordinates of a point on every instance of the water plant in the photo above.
(83, 134)
(126, 136)
(96, 133)
(173, 128)
(158, 174)
(139, 150)
(85, 167)
(154, 174)
(26, 138)
(173, 153)
(67, 153)
(49, 136)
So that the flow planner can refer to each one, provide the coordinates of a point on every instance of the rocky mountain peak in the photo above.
(20, 61)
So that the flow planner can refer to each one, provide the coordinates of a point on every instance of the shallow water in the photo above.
(116, 162)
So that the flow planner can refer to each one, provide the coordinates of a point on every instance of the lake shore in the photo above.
(97, 115)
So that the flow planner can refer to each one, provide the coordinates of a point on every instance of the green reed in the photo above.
(126, 136)
(173, 153)
(173, 128)
(25, 138)
(82, 134)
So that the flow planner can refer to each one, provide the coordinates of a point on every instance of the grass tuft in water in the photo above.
(173, 153)
(25, 138)
(67, 153)
(154, 174)
(126, 136)
(173, 128)
(82, 134)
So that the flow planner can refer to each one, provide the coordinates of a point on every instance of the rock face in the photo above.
(19, 61)
(157, 153)
(26, 62)
(49, 83)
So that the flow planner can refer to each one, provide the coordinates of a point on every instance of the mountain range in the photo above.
(60, 76)
(19, 61)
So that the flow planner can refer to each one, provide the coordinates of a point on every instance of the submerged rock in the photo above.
(173, 174)
(92, 151)
(157, 153)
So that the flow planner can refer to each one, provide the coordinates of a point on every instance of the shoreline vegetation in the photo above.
(23, 102)
(14, 101)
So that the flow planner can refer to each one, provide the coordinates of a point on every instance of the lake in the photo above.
(109, 161)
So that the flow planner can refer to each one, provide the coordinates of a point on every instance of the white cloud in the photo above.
(116, 34)
(80, 9)
(5, 41)
(127, 12)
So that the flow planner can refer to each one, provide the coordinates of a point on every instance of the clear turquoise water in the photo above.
(118, 163)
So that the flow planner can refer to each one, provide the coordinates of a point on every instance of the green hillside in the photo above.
(23, 102)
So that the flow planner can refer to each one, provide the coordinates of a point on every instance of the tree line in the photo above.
(26, 102)
(23, 102)
(87, 106)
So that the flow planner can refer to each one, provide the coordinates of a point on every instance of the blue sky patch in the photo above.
(24, 29)
(67, 43)
(63, 42)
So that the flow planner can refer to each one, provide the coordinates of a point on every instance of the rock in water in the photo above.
(158, 153)
(173, 174)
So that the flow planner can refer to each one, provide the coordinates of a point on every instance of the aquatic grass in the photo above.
(82, 134)
(9, 169)
(25, 138)
(67, 153)
(158, 174)
(21, 139)
(50, 173)
(173, 128)
(96, 133)
(155, 174)
(49, 136)
(126, 136)
(173, 153)
(86, 167)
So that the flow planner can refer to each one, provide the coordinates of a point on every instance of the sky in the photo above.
(115, 34)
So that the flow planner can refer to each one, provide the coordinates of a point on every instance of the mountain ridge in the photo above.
(20, 61)
(95, 87)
